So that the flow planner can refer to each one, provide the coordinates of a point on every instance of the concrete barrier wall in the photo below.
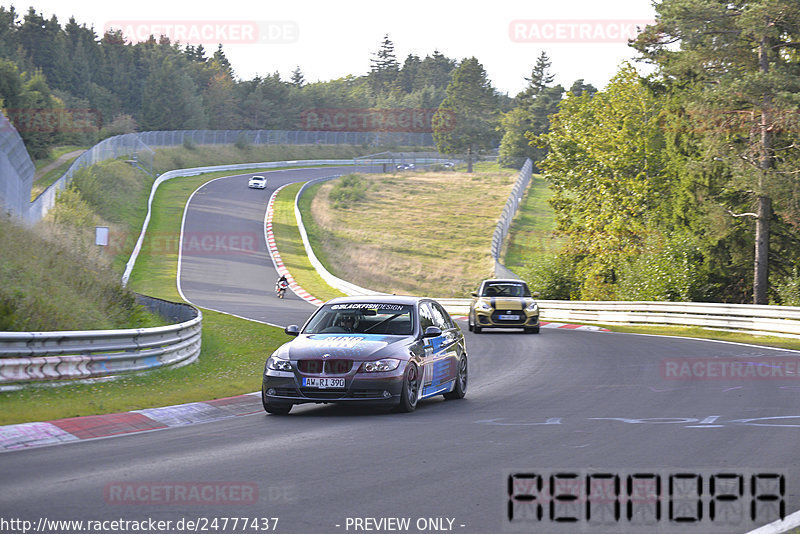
(16, 171)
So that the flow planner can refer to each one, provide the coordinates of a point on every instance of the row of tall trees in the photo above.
(685, 184)
(161, 85)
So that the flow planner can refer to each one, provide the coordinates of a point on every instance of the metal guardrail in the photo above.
(747, 318)
(753, 319)
(503, 225)
(30, 357)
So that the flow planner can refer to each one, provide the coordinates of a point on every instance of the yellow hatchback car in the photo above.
(504, 303)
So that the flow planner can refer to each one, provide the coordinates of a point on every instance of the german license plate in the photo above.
(509, 317)
(323, 383)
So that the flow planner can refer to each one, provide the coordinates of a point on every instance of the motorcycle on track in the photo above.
(280, 288)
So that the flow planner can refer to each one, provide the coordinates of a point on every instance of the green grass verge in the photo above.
(290, 244)
(50, 283)
(316, 235)
(532, 231)
(55, 153)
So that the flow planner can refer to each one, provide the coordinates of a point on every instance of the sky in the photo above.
(330, 39)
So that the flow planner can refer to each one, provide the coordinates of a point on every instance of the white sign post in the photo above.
(101, 236)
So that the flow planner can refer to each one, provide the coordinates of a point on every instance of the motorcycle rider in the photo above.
(281, 284)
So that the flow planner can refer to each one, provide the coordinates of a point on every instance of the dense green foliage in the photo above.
(348, 190)
(530, 115)
(684, 185)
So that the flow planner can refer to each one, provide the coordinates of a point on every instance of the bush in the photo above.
(122, 124)
(553, 276)
(188, 144)
(787, 289)
(667, 270)
(348, 190)
(242, 142)
(72, 210)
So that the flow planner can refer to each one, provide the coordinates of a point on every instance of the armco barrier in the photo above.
(509, 211)
(27, 357)
(781, 321)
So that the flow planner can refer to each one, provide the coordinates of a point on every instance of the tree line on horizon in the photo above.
(162, 85)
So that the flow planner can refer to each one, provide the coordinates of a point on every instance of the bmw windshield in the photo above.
(363, 318)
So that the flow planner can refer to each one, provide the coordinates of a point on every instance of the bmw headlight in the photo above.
(380, 366)
(484, 307)
(532, 307)
(278, 364)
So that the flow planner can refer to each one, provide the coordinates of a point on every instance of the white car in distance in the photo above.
(257, 182)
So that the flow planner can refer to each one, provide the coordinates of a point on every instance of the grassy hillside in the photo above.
(426, 233)
(47, 284)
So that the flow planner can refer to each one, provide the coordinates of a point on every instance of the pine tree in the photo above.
(384, 68)
(578, 88)
(541, 77)
(530, 116)
(409, 73)
(467, 119)
(298, 80)
(736, 62)
(435, 70)
(222, 61)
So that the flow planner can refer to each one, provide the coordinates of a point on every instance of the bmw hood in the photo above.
(359, 347)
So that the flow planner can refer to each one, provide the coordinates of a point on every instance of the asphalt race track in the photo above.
(562, 401)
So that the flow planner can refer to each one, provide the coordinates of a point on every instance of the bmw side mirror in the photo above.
(536, 294)
(474, 293)
(292, 330)
(432, 331)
